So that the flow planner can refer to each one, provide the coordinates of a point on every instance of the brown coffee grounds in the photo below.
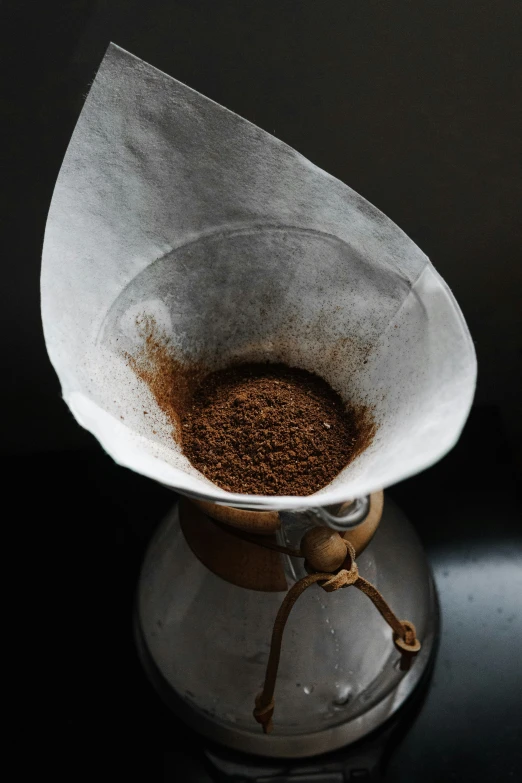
(257, 429)
(270, 429)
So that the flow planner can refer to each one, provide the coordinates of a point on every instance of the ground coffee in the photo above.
(270, 429)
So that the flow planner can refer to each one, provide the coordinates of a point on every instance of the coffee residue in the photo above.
(270, 429)
(170, 381)
(261, 429)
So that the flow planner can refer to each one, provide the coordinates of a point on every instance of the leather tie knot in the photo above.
(343, 578)
(263, 713)
(409, 642)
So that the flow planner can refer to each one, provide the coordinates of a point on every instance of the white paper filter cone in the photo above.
(171, 210)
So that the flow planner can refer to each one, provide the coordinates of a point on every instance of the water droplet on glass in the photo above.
(308, 689)
(343, 696)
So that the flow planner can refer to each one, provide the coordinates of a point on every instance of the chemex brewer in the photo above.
(183, 243)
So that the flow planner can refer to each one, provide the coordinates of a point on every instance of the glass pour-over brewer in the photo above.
(278, 625)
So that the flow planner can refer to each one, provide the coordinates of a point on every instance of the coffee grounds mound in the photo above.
(270, 429)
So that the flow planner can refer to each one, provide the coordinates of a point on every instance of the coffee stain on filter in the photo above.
(173, 382)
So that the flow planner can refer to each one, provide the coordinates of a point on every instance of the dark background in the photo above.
(417, 106)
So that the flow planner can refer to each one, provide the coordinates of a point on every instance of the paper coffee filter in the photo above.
(174, 215)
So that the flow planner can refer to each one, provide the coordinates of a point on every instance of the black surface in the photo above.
(90, 522)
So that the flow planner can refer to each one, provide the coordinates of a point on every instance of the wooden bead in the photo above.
(323, 549)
